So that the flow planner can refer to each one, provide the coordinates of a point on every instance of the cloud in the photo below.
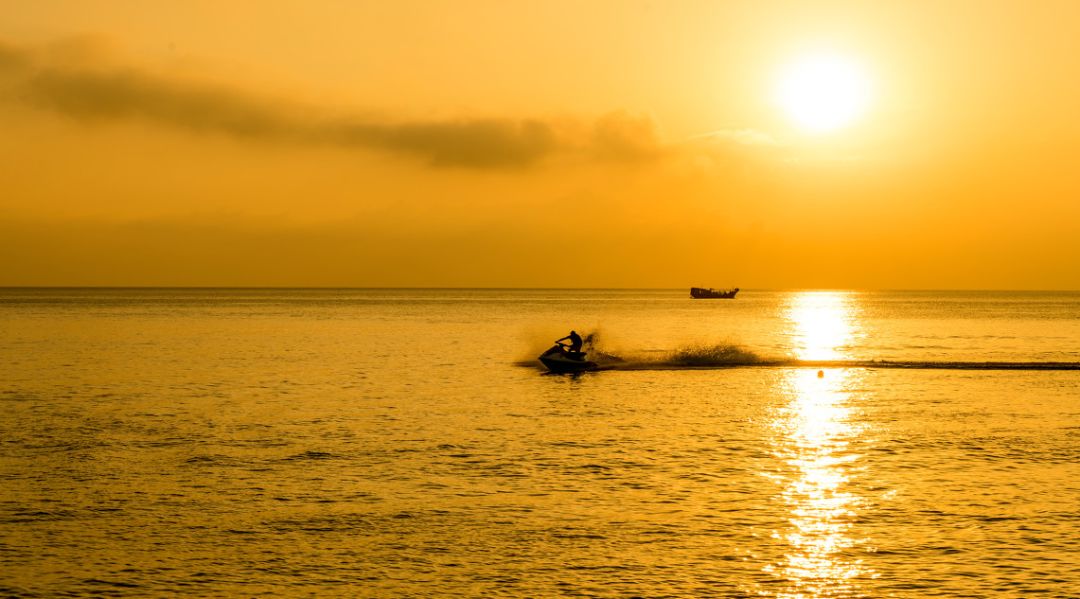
(470, 143)
(116, 95)
(743, 137)
(625, 137)
(11, 58)
(78, 83)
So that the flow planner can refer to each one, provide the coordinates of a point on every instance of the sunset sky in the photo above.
(540, 144)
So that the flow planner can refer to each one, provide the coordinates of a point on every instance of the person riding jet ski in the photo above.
(561, 358)
(575, 341)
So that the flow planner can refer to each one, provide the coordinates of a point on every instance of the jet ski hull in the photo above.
(559, 360)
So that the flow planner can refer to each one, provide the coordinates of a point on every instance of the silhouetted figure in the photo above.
(575, 341)
(562, 358)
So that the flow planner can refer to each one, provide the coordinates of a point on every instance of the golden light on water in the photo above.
(822, 324)
(813, 434)
(814, 429)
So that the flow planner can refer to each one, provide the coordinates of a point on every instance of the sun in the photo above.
(823, 92)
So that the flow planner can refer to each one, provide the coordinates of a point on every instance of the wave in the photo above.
(720, 356)
(939, 365)
(821, 364)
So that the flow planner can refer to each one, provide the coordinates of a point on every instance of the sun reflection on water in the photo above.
(823, 324)
(815, 429)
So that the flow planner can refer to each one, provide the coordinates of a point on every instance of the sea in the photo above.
(407, 443)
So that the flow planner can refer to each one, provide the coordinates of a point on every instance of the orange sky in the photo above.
(565, 144)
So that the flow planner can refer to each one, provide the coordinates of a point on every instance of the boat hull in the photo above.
(708, 293)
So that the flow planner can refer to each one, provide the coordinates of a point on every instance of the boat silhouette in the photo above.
(710, 293)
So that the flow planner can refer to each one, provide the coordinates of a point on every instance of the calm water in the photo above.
(401, 443)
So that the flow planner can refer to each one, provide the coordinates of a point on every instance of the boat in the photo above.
(560, 359)
(710, 293)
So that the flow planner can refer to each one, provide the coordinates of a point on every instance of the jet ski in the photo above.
(560, 359)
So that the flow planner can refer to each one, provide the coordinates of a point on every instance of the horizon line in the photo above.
(509, 288)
